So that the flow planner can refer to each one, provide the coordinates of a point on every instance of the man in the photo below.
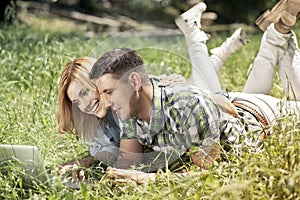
(143, 112)
(173, 120)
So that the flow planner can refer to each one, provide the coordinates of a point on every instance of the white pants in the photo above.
(270, 107)
(275, 49)
(281, 49)
(205, 68)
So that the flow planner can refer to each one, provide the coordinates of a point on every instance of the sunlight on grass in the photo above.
(31, 62)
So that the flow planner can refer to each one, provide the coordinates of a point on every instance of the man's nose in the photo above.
(108, 102)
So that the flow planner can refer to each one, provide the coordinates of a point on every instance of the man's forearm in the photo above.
(86, 162)
(131, 153)
(125, 160)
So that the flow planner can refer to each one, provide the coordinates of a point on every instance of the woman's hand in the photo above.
(77, 167)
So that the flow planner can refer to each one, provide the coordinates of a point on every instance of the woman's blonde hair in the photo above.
(70, 118)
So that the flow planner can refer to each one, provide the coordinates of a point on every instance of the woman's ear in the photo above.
(135, 81)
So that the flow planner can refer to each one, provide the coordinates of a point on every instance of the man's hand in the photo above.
(172, 79)
(205, 158)
(225, 104)
(123, 175)
(77, 167)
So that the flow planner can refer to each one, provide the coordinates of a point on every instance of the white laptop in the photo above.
(25, 156)
(29, 158)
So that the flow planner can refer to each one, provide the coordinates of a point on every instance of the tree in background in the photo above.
(228, 11)
(245, 11)
(8, 10)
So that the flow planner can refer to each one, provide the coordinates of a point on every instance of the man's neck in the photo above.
(144, 104)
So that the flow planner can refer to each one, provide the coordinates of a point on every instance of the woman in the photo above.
(79, 103)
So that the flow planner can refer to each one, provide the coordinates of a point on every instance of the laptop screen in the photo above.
(25, 156)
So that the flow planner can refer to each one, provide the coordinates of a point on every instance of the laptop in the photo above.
(28, 158)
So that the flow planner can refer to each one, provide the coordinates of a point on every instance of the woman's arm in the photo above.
(77, 167)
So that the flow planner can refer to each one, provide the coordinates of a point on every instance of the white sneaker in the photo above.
(236, 41)
(189, 23)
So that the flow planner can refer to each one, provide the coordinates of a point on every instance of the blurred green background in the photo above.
(164, 11)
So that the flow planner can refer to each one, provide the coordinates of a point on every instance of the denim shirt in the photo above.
(107, 136)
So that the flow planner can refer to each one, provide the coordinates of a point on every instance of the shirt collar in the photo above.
(157, 112)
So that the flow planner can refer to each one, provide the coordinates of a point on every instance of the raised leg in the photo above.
(203, 73)
(203, 69)
(232, 44)
(289, 69)
(273, 46)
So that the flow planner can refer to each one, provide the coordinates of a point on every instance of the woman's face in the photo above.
(86, 99)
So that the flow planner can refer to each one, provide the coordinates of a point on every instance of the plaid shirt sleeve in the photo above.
(198, 121)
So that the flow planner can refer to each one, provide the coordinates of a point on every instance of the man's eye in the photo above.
(109, 92)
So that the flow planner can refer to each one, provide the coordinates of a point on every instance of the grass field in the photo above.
(31, 60)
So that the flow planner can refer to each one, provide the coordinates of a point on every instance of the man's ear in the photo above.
(135, 81)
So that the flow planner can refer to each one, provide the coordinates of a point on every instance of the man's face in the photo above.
(86, 99)
(117, 95)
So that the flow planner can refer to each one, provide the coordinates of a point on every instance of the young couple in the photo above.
(178, 118)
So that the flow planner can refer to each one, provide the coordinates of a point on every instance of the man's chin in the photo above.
(124, 118)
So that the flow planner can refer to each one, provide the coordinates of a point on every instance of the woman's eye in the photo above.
(77, 103)
(84, 92)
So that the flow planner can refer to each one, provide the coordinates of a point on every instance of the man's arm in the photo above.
(201, 124)
(131, 153)
(224, 104)
(204, 159)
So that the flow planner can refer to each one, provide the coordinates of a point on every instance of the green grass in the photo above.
(31, 62)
